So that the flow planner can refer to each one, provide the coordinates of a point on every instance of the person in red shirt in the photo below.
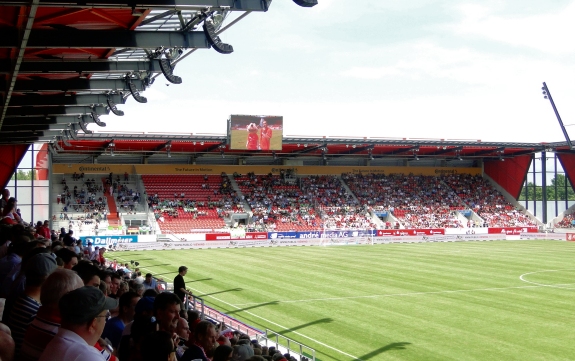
(43, 229)
(265, 135)
(253, 139)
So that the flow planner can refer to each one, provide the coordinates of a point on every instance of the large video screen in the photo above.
(255, 132)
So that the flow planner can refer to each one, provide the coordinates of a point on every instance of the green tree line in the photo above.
(24, 175)
(536, 193)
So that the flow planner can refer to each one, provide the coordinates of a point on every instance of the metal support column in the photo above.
(544, 186)
(556, 192)
(534, 186)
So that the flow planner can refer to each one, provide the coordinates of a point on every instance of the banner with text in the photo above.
(108, 240)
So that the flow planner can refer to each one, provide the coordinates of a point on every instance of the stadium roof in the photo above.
(213, 148)
(65, 63)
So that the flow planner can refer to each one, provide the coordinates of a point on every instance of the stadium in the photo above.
(286, 247)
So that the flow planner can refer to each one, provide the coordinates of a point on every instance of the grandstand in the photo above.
(66, 63)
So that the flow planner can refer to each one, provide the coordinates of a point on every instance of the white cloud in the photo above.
(545, 32)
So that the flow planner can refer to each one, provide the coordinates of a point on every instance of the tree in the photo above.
(24, 175)
(560, 180)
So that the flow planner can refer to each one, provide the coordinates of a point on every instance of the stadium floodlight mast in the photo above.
(547, 95)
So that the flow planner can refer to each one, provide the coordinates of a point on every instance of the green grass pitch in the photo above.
(505, 300)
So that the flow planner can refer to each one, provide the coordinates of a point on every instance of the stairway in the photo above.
(113, 219)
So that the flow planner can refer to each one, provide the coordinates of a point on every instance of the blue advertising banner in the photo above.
(337, 234)
(108, 240)
(381, 214)
(282, 235)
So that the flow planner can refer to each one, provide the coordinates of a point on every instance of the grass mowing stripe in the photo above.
(461, 301)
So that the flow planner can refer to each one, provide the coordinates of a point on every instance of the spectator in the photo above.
(167, 311)
(69, 257)
(150, 282)
(83, 314)
(115, 325)
(183, 331)
(6, 343)
(158, 346)
(115, 281)
(88, 273)
(203, 343)
(223, 353)
(143, 316)
(47, 321)
(25, 308)
(180, 286)
(69, 240)
(242, 352)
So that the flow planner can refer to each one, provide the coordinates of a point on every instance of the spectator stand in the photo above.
(415, 201)
(187, 203)
(488, 203)
(565, 221)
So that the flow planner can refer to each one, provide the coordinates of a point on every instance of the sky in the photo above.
(378, 68)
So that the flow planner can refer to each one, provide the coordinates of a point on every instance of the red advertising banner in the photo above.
(409, 232)
(217, 236)
(256, 235)
(228, 236)
(570, 237)
(512, 230)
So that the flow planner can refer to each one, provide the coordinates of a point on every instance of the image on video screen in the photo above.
(255, 132)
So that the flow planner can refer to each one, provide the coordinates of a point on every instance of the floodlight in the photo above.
(168, 71)
(83, 127)
(135, 92)
(113, 107)
(57, 144)
(306, 3)
(72, 132)
(96, 119)
(214, 40)
(65, 141)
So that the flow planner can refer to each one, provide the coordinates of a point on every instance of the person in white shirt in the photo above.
(83, 313)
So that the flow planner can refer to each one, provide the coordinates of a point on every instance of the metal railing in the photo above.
(279, 341)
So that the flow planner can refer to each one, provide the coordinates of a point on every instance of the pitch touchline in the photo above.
(276, 324)
(396, 294)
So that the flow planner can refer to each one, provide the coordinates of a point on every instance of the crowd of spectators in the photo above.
(568, 221)
(487, 201)
(68, 302)
(276, 204)
(222, 203)
(416, 201)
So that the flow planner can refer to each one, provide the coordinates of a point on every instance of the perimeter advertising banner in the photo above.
(108, 240)
(409, 232)
(512, 230)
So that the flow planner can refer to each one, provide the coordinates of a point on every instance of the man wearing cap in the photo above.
(180, 286)
(83, 313)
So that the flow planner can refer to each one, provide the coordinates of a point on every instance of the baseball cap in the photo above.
(40, 265)
(83, 304)
(145, 304)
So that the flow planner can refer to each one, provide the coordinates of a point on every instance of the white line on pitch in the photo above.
(397, 294)
(278, 325)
